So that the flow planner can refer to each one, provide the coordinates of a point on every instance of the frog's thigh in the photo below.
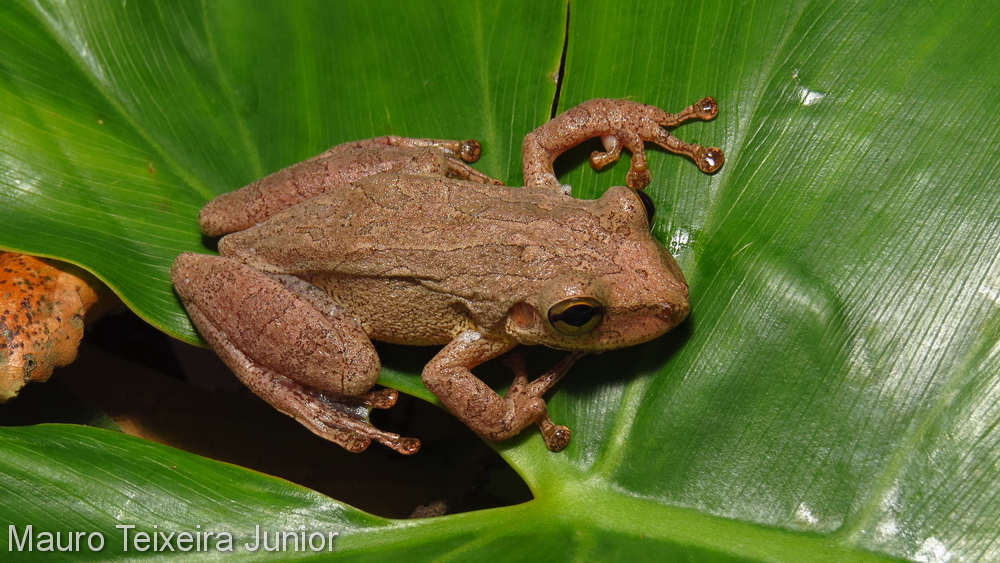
(244, 312)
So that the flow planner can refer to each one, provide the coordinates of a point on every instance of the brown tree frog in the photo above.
(399, 240)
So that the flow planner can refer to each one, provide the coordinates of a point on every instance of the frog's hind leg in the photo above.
(619, 123)
(469, 150)
(291, 345)
(332, 170)
(453, 165)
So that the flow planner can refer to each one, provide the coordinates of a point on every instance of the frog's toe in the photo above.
(355, 435)
(405, 446)
(356, 444)
(613, 151)
(558, 438)
(382, 399)
(709, 159)
(638, 177)
(470, 150)
(706, 108)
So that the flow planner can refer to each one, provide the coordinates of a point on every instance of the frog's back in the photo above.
(425, 228)
(418, 259)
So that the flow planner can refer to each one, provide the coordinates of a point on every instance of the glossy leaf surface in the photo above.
(834, 394)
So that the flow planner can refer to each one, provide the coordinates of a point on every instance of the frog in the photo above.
(400, 240)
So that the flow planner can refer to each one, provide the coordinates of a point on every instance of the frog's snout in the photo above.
(673, 313)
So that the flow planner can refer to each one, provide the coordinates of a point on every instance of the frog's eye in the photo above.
(647, 204)
(576, 316)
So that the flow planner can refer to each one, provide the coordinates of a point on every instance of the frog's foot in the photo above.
(619, 123)
(557, 437)
(708, 159)
(517, 362)
(382, 399)
(462, 171)
(344, 420)
(339, 419)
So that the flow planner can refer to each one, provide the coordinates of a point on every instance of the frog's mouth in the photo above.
(629, 328)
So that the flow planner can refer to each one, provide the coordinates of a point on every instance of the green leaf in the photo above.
(834, 395)
(93, 480)
(122, 120)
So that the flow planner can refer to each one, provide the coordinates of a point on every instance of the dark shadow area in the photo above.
(455, 470)
(211, 243)
(561, 72)
(580, 156)
(127, 336)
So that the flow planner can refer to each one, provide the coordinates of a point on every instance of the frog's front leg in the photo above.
(291, 345)
(619, 123)
(556, 436)
(448, 376)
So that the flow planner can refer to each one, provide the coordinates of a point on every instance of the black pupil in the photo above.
(650, 207)
(577, 315)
